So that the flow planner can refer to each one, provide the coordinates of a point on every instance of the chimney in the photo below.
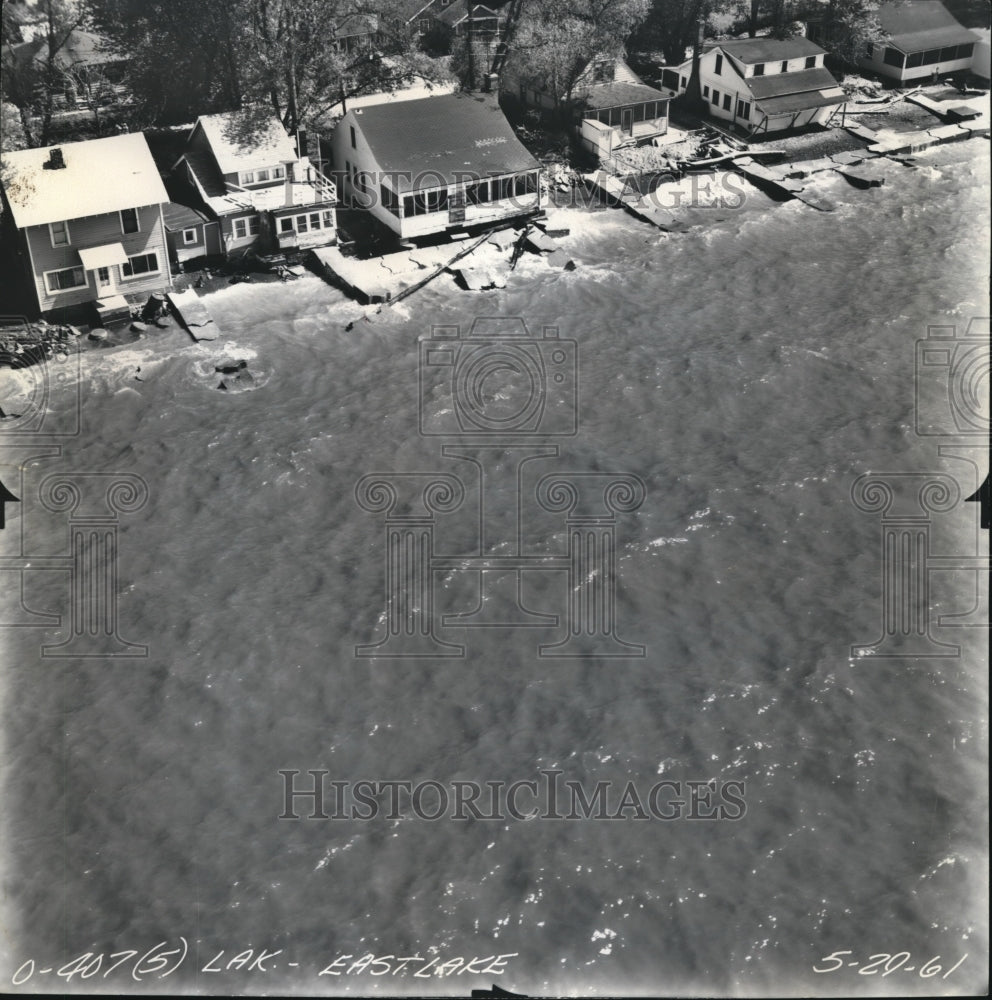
(56, 161)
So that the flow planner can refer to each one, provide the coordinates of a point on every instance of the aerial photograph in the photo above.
(494, 498)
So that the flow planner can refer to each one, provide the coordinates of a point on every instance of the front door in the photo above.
(627, 120)
(104, 282)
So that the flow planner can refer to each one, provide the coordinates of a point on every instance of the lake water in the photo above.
(747, 372)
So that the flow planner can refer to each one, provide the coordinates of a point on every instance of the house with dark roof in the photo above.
(453, 16)
(923, 40)
(88, 220)
(610, 104)
(247, 175)
(437, 164)
(764, 84)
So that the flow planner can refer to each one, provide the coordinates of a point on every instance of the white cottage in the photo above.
(438, 164)
(764, 84)
(250, 178)
(924, 39)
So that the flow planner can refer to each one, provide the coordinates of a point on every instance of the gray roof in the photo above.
(918, 25)
(762, 50)
(178, 216)
(780, 84)
(202, 164)
(615, 95)
(450, 135)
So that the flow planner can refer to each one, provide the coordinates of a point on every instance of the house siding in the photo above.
(94, 231)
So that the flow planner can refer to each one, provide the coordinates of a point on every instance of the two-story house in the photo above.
(763, 84)
(88, 218)
(435, 165)
(250, 177)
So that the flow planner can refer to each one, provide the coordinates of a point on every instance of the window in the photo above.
(278, 173)
(129, 220)
(286, 224)
(65, 280)
(243, 228)
(261, 176)
(354, 145)
(715, 99)
(811, 60)
(718, 68)
(726, 102)
(685, 82)
(143, 263)
(189, 236)
(759, 69)
(59, 231)
(103, 275)
(893, 57)
(706, 92)
(744, 109)
(931, 57)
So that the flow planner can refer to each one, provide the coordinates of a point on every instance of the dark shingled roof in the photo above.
(615, 95)
(798, 102)
(451, 134)
(762, 50)
(922, 24)
(780, 84)
(178, 216)
(210, 178)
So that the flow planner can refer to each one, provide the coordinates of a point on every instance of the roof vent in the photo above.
(56, 161)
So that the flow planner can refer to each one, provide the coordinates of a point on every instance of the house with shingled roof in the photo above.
(88, 220)
(923, 39)
(248, 175)
(435, 165)
(612, 107)
(764, 85)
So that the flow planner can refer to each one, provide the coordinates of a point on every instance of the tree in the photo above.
(193, 57)
(32, 72)
(555, 39)
(843, 27)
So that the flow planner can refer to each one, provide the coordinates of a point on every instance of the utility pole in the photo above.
(469, 34)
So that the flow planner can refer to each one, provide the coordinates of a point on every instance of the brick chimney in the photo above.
(56, 161)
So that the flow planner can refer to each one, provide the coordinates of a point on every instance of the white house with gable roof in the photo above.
(763, 84)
